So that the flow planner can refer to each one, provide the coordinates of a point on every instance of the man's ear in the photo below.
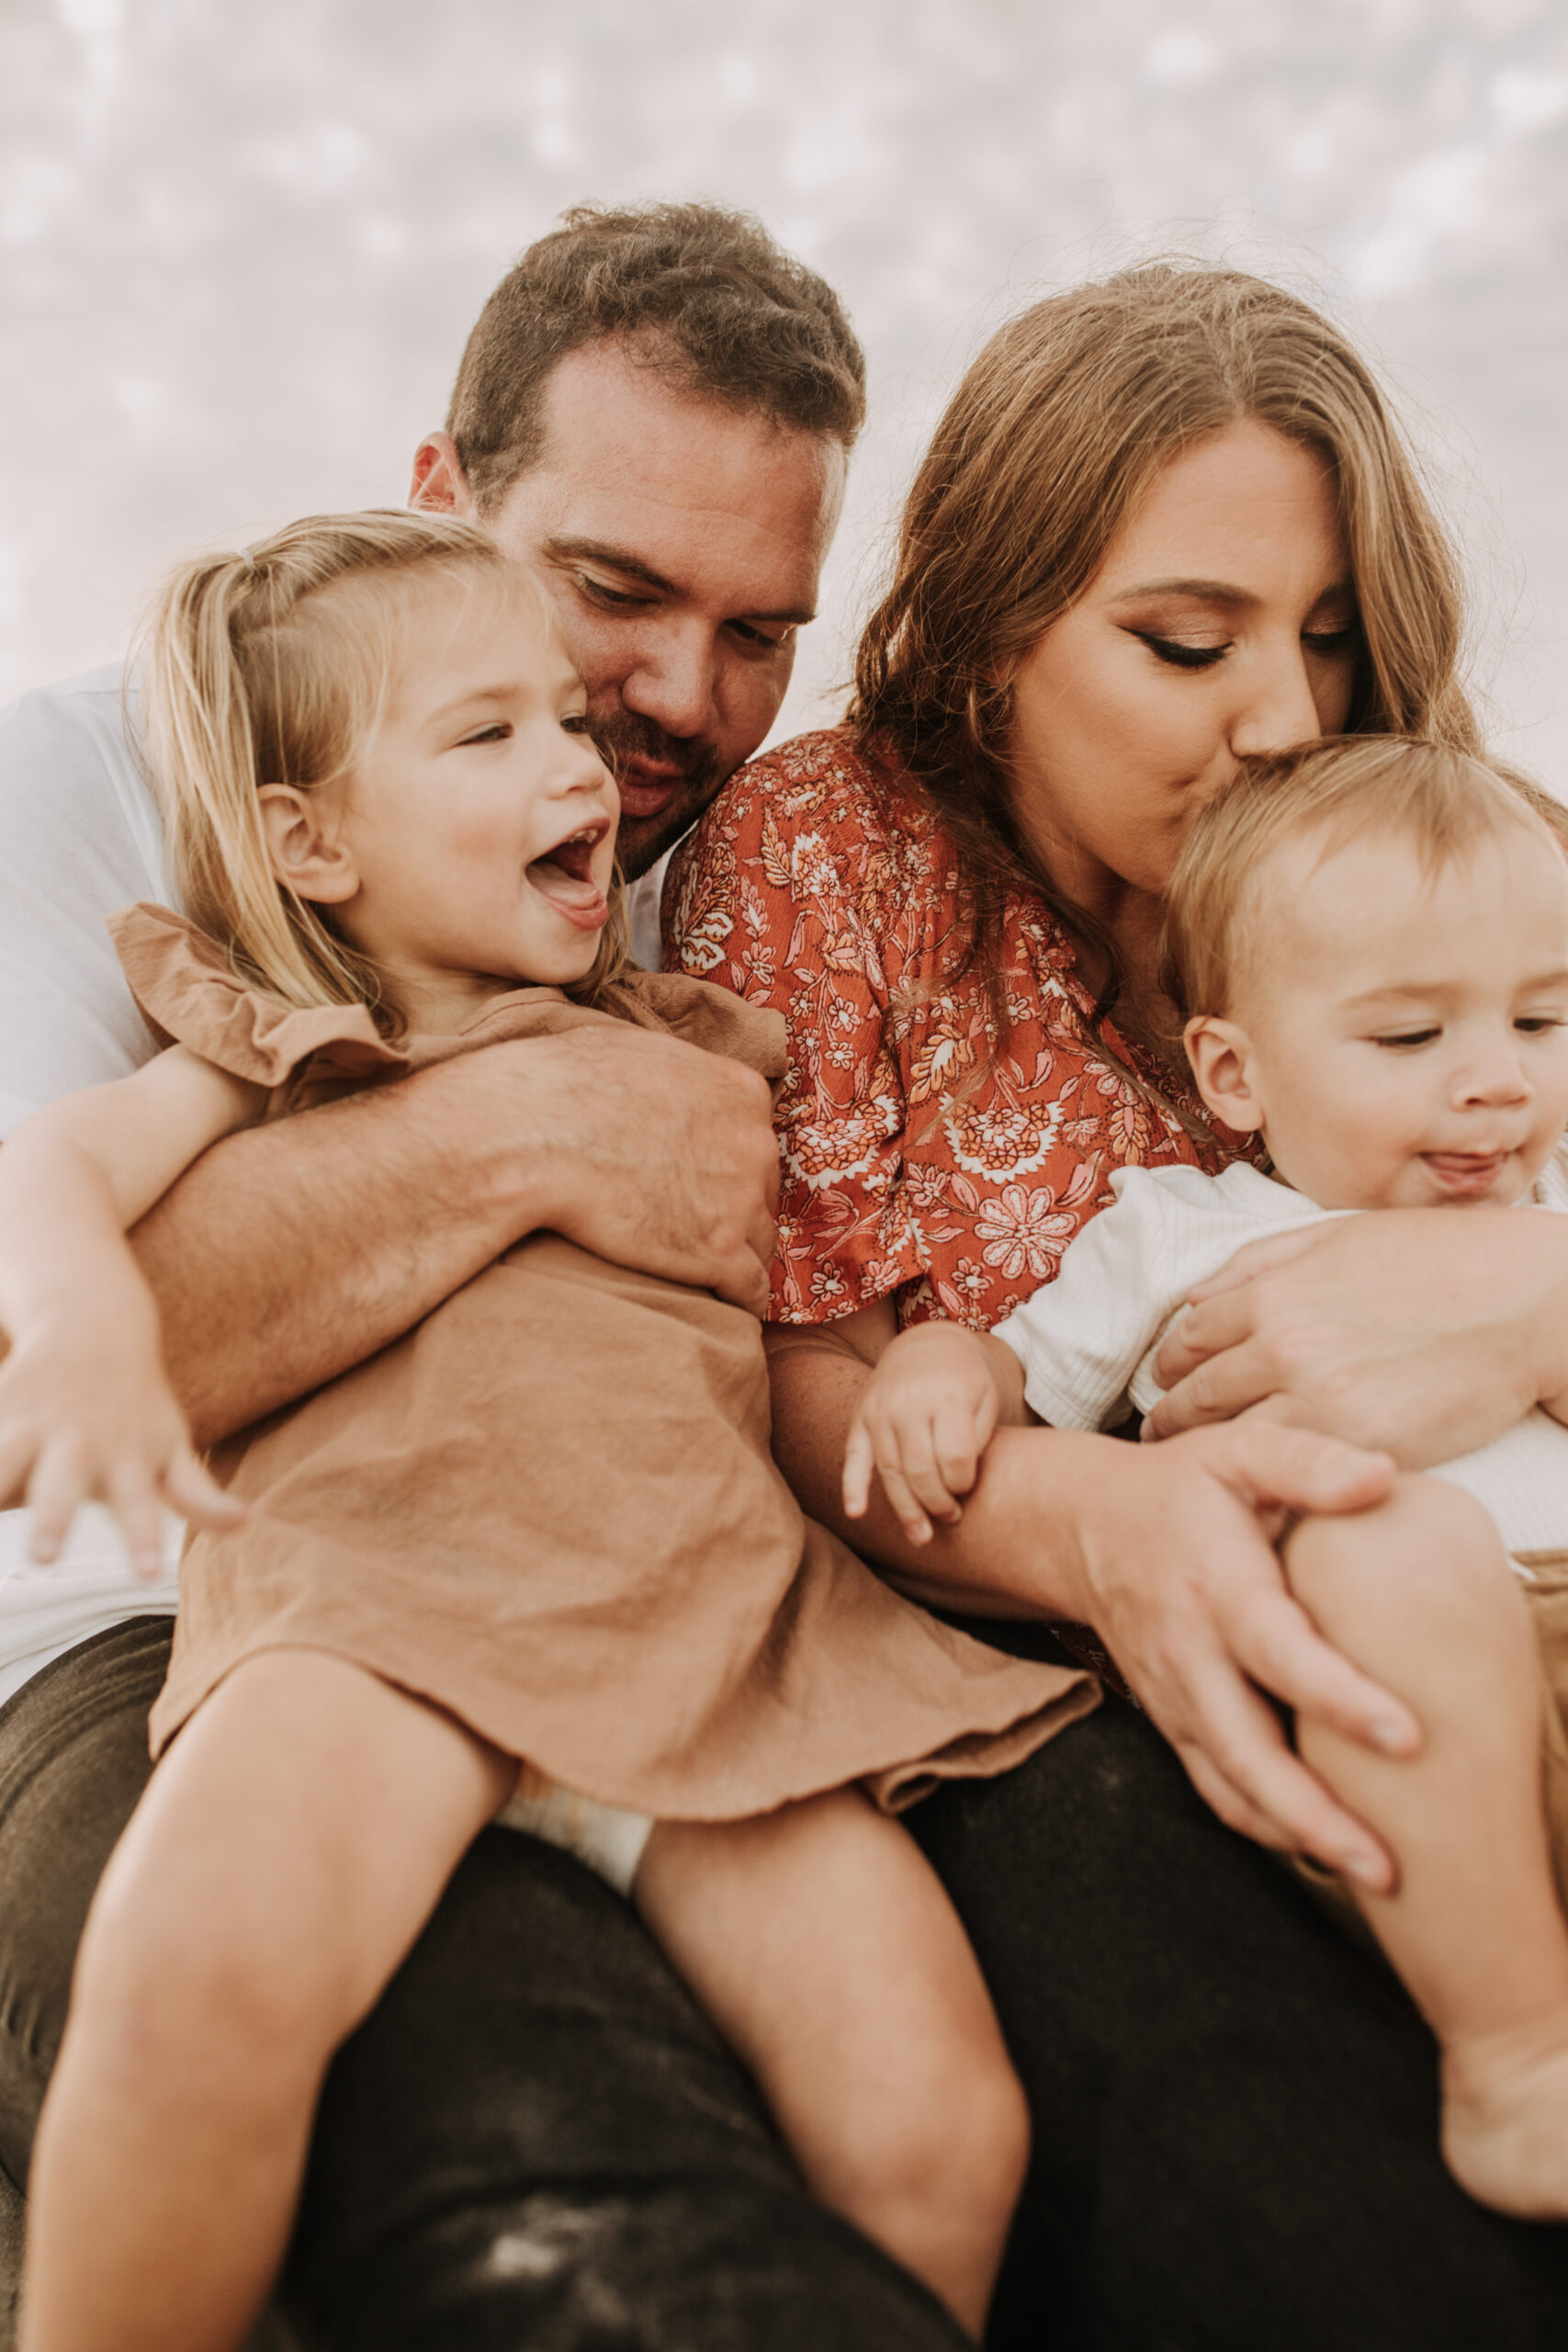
(303, 846)
(1220, 1055)
(439, 484)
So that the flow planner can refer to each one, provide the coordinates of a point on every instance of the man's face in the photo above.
(681, 544)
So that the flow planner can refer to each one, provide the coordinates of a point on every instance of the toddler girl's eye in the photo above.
(1408, 1037)
(1534, 1023)
(496, 732)
(575, 722)
(1179, 656)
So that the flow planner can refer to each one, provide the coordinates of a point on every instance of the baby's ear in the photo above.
(303, 846)
(1220, 1055)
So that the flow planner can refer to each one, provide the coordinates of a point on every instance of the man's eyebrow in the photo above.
(633, 566)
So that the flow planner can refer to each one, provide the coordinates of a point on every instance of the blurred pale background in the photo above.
(241, 245)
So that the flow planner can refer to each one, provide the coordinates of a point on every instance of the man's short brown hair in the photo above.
(704, 295)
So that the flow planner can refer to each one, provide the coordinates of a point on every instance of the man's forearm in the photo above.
(1010, 1556)
(292, 1251)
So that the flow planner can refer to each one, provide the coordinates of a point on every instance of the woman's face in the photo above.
(1221, 622)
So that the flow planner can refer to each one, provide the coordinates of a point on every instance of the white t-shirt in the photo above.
(79, 838)
(1087, 1340)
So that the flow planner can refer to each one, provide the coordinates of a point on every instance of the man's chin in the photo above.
(641, 841)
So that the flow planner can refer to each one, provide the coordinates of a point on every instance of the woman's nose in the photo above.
(1280, 710)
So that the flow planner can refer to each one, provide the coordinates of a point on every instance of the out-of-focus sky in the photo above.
(241, 245)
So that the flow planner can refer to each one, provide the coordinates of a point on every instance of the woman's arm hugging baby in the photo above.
(1369, 943)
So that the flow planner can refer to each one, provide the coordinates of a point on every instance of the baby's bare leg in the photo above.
(1420, 1594)
(822, 1945)
(284, 1858)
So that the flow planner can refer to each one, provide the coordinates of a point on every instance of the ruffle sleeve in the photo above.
(798, 892)
(190, 995)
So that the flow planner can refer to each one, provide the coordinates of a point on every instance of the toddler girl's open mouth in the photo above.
(565, 875)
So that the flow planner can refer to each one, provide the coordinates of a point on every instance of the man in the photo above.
(536, 2141)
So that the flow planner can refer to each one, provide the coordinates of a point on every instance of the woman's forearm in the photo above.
(293, 1251)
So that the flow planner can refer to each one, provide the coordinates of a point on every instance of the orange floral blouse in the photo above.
(917, 1161)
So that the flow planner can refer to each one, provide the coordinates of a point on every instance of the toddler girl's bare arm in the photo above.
(85, 1407)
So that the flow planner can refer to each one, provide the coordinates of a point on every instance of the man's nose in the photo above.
(673, 681)
(1280, 710)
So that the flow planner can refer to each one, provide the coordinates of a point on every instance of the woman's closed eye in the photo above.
(1178, 655)
(1327, 642)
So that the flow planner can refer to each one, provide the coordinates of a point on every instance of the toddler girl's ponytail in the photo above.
(271, 666)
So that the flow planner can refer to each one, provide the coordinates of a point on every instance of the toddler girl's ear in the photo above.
(303, 845)
(1222, 1059)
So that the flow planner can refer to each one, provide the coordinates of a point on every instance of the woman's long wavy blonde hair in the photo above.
(272, 666)
(1057, 431)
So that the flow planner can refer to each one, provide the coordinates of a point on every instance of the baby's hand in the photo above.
(86, 1419)
(923, 1423)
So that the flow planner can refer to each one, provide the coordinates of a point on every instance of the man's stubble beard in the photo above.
(623, 735)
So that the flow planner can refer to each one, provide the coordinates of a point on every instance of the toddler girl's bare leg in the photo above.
(1419, 1593)
(822, 1945)
(285, 1856)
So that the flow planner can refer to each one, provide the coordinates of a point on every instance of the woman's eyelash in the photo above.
(1332, 641)
(1180, 656)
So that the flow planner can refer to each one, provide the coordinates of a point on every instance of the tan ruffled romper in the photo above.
(550, 1508)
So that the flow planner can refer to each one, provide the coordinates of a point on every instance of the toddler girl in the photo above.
(1368, 942)
(534, 1556)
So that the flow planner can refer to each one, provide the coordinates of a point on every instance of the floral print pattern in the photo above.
(922, 1157)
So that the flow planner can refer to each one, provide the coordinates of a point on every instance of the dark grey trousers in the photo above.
(536, 2142)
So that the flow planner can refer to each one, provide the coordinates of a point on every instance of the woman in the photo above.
(1165, 522)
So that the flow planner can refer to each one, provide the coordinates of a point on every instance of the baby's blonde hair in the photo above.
(1435, 796)
(272, 666)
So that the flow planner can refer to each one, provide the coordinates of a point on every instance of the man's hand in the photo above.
(663, 1158)
(1425, 1332)
(1180, 1579)
(292, 1251)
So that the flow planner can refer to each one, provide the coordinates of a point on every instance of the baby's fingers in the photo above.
(859, 1463)
(59, 1482)
(194, 1492)
(960, 1437)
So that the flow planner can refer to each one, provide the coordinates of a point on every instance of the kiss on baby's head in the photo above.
(1367, 942)
(374, 764)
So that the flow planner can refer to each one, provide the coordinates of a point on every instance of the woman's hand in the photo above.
(1425, 1332)
(922, 1422)
(91, 1416)
(1180, 1579)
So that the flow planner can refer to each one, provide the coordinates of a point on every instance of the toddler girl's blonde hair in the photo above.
(271, 666)
(1436, 796)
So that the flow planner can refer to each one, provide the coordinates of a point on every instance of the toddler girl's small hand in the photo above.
(79, 1425)
(923, 1423)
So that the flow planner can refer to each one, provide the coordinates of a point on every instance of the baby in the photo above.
(1369, 942)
